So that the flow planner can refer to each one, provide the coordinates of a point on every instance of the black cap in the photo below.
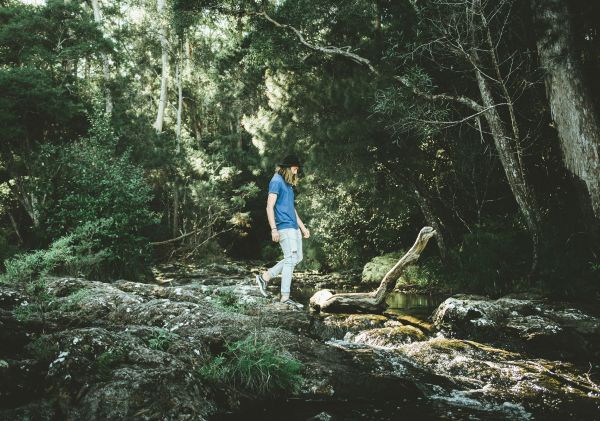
(291, 161)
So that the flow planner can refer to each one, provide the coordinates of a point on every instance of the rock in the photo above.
(321, 416)
(9, 297)
(542, 328)
(502, 381)
(319, 298)
(389, 337)
(374, 271)
(336, 326)
(132, 350)
(410, 319)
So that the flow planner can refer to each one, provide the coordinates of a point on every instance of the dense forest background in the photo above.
(137, 131)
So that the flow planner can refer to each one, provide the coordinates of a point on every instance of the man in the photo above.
(286, 227)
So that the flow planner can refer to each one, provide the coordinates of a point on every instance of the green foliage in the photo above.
(491, 258)
(25, 312)
(255, 366)
(425, 273)
(43, 349)
(227, 299)
(29, 271)
(348, 223)
(102, 203)
(30, 267)
(377, 267)
(111, 358)
(162, 339)
(73, 301)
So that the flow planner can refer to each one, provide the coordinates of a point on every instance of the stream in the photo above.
(460, 380)
(457, 377)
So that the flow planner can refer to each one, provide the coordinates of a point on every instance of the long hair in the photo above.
(287, 175)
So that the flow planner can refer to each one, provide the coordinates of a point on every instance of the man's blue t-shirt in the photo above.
(285, 214)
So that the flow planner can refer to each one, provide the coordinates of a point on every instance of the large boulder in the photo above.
(374, 270)
(534, 325)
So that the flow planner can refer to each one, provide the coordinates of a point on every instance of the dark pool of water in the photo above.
(298, 410)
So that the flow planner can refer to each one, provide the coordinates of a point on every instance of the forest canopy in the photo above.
(139, 131)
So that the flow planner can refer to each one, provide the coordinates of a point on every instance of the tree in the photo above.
(164, 76)
(571, 103)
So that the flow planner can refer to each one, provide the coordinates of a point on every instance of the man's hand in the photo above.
(305, 232)
(275, 236)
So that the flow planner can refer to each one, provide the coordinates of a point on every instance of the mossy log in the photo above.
(371, 302)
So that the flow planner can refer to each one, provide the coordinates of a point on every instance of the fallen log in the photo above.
(371, 302)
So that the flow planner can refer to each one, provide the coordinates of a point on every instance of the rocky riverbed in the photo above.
(139, 351)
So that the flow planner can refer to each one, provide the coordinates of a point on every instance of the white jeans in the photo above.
(290, 240)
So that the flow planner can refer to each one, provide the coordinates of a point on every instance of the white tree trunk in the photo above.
(178, 144)
(164, 79)
(105, 63)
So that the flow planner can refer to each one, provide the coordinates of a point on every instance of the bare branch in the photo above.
(342, 51)
(468, 102)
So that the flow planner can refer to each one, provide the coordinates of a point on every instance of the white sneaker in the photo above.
(293, 303)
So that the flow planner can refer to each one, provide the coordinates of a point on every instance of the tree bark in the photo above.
(105, 63)
(507, 143)
(164, 79)
(374, 301)
(511, 163)
(571, 105)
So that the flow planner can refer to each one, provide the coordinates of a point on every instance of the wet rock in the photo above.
(336, 326)
(389, 337)
(321, 416)
(410, 319)
(9, 297)
(552, 330)
(502, 381)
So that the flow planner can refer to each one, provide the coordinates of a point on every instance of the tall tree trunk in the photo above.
(164, 79)
(178, 144)
(571, 105)
(105, 63)
(27, 199)
(511, 163)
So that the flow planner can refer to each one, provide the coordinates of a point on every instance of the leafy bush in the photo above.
(29, 271)
(102, 203)
(491, 258)
(347, 223)
(255, 366)
(427, 273)
(162, 339)
(29, 267)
